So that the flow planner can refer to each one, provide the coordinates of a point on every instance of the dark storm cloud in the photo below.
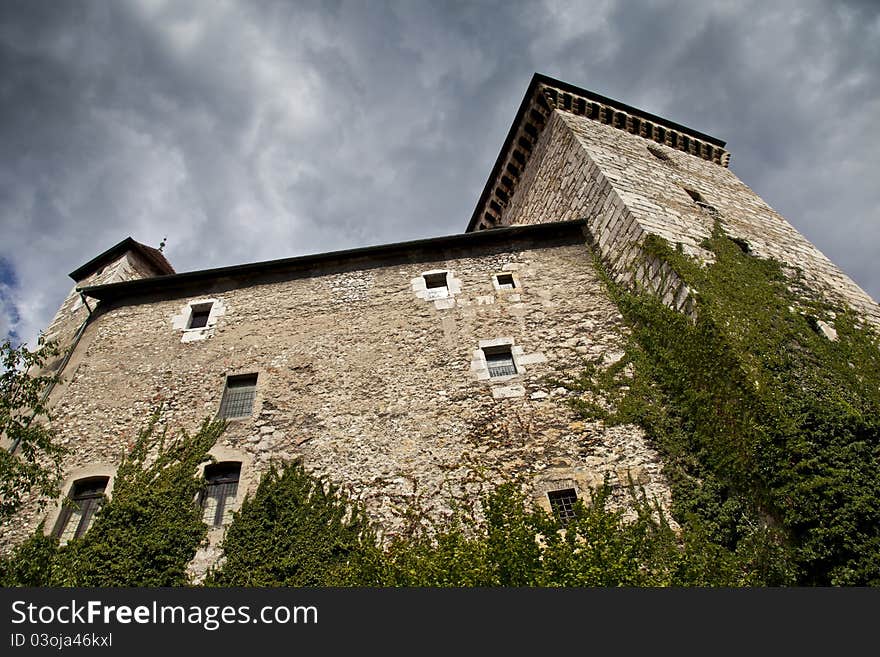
(247, 131)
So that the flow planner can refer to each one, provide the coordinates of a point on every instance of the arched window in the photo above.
(79, 509)
(221, 487)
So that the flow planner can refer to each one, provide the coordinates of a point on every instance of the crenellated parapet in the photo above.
(546, 95)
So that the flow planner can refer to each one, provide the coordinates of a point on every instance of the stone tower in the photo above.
(572, 154)
(128, 260)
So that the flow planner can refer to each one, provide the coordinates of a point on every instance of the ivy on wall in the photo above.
(300, 531)
(520, 545)
(769, 428)
(144, 536)
(297, 530)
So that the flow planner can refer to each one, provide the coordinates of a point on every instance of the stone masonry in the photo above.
(629, 176)
(375, 366)
(365, 379)
(126, 261)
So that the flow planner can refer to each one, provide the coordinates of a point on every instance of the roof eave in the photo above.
(113, 291)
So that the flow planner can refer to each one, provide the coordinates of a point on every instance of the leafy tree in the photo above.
(31, 463)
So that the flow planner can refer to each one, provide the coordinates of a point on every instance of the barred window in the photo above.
(199, 314)
(82, 502)
(238, 397)
(221, 487)
(562, 502)
(499, 361)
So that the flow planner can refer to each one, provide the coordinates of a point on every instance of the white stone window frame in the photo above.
(246, 477)
(480, 366)
(443, 298)
(72, 477)
(517, 285)
(182, 319)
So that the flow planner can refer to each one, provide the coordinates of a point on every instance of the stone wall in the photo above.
(371, 383)
(653, 189)
(626, 186)
(73, 312)
(562, 182)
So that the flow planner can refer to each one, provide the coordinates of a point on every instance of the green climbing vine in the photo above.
(769, 428)
(297, 530)
(144, 536)
(519, 545)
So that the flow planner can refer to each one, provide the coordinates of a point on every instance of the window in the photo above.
(221, 487)
(562, 502)
(505, 281)
(238, 397)
(700, 201)
(197, 319)
(82, 502)
(199, 315)
(743, 245)
(436, 284)
(499, 360)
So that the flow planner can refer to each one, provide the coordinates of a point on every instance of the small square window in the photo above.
(238, 396)
(83, 501)
(500, 361)
(199, 314)
(505, 281)
(221, 487)
(562, 502)
(435, 280)
(436, 285)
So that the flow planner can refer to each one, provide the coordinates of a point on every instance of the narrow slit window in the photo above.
(437, 285)
(238, 396)
(500, 361)
(84, 500)
(505, 281)
(562, 502)
(221, 488)
(199, 315)
(697, 198)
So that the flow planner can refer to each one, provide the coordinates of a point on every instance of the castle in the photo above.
(420, 372)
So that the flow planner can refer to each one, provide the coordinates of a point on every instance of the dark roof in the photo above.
(417, 248)
(151, 255)
(539, 79)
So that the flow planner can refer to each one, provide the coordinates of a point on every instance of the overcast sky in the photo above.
(246, 131)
